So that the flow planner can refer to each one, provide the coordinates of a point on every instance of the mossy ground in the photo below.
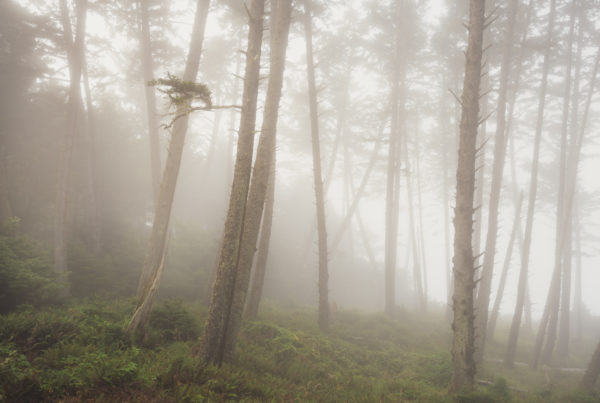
(81, 352)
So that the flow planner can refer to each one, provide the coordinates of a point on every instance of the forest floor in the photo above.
(80, 352)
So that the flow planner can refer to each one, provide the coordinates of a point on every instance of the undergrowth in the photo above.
(81, 352)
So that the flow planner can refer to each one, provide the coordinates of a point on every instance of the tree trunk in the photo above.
(591, 375)
(570, 181)
(483, 296)
(554, 300)
(578, 301)
(516, 322)
(260, 267)
(214, 348)
(420, 205)
(75, 48)
(393, 175)
(463, 321)
(263, 167)
(155, 254)
(491, 326)
(92, 166)
(148, 75)
(416, 261)
(314, 125)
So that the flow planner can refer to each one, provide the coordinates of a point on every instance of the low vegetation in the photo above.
(80, 351)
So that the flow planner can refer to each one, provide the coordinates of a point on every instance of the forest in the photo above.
(299, 200)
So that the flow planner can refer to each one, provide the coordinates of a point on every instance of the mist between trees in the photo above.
(385, 158)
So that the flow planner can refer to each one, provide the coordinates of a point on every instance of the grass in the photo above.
(81, 353)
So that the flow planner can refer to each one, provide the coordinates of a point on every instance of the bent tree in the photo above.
(155, 254)
(463, 262)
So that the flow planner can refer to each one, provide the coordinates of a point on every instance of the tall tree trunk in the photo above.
(463, 261)
(491, 326)
(593, 370)
(578, 301)
(516, 322)
(152, 118)
(416, 261)
(214, 349)
(155, 254)
(260, 267)
(75, 48)
(420, 205)
(565, 309)
(570, 181)
(314, 126)
(483, 296)
(263, 166)
(393, 174)
(549, 323)
(92, 166)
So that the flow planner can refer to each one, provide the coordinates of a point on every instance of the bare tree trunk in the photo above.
(549, 323)
(155, 254)
(565, 326)
(420, 202)
(214, 349)
(516, 322)
(578, 302)
(75, 48)
(491, 326)
(263, 166)
(148, 75)
(571, 182)
(463, 268)
(260, 267)
(314, 125)
(483, 296)
(92, 166)
(416, 261)
(393, 174)
(591, 375)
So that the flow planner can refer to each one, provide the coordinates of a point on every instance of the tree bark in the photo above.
(260, 267)
(491, 326)
(516, 322)
(463, 261)
(152, 118)
(483, 296)
(155, 254)
(393, 175)
(314, 126)
(554, 299)
(263, 167)
(216, 327)
(75, 48)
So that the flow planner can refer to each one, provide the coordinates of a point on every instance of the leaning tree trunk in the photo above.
(265, 156)
(463, 261)
(152, 118)
(549, 329)
(216, 327)
(516, 322)
(491, 326)
(260, 267)
(75, 48)
(483, 296)
(314, 128)
(156, 251)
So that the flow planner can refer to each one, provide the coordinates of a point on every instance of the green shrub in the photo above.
(17, 378)
(170, 321)
(26, 274)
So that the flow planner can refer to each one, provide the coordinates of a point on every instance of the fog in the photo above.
(77, 175)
